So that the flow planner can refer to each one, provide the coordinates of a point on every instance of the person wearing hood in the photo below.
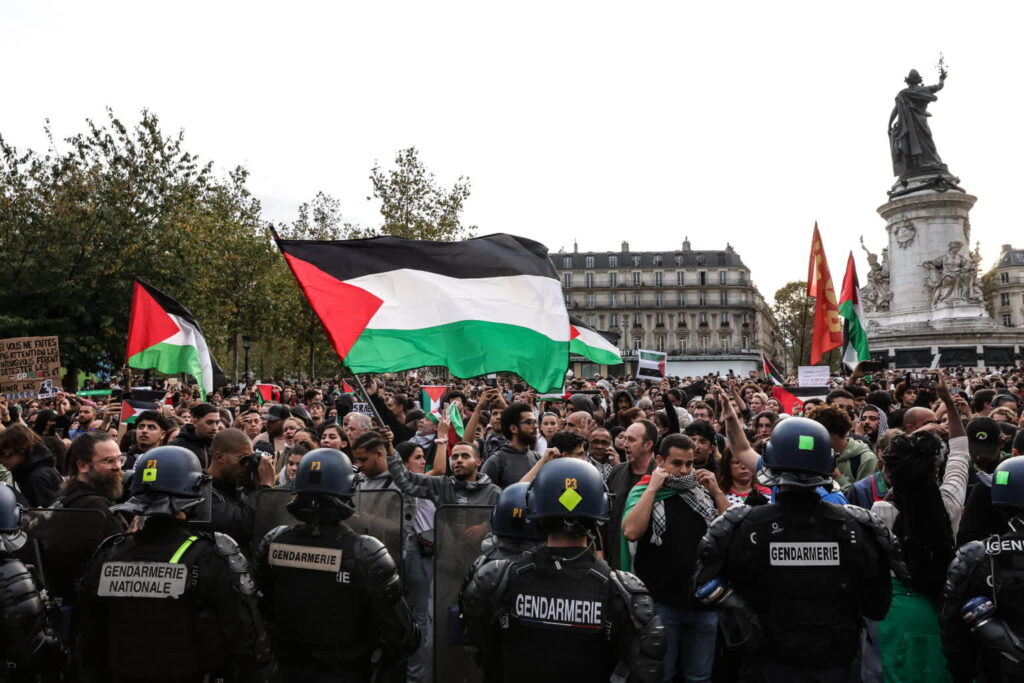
(198, 436)
(856, 460)
(873, 423)
(31, 464)
(621, 402)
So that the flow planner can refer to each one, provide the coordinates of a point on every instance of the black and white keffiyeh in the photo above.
(691, 491)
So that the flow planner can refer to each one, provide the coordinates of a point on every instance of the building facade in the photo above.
(700, 307)
(1004, 287)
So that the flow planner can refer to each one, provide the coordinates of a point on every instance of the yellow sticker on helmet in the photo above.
(149, 474)
(570, 499)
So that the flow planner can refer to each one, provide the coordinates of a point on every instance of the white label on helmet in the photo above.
(142, 580)
(804, 554)
(305, 557)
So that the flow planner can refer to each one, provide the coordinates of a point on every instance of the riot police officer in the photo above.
(805, 570)
(982, 616)
(513, 533)
(333, 597)
(28, 640)
(560, 610)
(170, 602)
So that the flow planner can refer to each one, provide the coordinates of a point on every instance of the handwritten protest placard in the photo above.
(27, 362)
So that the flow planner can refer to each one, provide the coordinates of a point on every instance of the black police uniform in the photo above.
(333, 597)
(810, 571)
(184, 596)
(561, 612)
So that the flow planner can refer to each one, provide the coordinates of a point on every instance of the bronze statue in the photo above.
(910, 137)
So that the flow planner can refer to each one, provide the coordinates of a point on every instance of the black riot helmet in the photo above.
(1008, 483)
(12, 537)
(799, 453)
(509, 518)
(324, 485)
(167, 479)
(568, 488)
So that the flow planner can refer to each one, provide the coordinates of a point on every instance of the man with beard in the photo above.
(509, 463)
(873, 422)
(465, 486)
(273, 440)
(85, 417)
(96, 481)
(237, 473)
(150, 429)
(639, 438)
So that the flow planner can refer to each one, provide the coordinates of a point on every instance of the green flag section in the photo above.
(163, 335)
(635, 493)
(430, 399)
(489, 304)
(855, 337)
(454, 416)
(593, 345)
(651, 364)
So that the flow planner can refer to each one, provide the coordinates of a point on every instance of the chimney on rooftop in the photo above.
(625, 246)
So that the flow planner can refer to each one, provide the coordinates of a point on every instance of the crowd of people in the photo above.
(840, 542)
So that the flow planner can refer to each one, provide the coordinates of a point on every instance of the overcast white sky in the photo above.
(742, 122)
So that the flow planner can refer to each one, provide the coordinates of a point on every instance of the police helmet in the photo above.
(327, 471)
(567, 488)
(12, 537)
(167, 479)
(509, 519)
(1008, 483)
(799, 453)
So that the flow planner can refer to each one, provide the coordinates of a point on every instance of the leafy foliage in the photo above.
(794, 311)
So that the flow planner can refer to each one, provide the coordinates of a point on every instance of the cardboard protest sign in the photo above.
(27, 362)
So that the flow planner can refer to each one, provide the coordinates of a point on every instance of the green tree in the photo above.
(794, 311)
(414, 206)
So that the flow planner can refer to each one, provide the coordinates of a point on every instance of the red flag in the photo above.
(828, 330)
(791, 405)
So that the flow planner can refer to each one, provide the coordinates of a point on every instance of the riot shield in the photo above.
(379, 514)
(458, 532)
(60, 544)
(271, 511)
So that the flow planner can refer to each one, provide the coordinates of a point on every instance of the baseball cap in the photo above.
(278, 412)
(983, 431)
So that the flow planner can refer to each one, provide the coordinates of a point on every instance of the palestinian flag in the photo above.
(593, 345)
(770, 370)
(346, 388)
(855, 337)
(131, 409)
(267, 392)
(626, 548)
(162, 334)
(454, 416)
(490, 304)
(430, 399)
(650, 364)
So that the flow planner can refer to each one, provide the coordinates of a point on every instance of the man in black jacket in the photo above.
(198, 436)
(96, 482)
(237, 473)
(31, 464)
(150, 429)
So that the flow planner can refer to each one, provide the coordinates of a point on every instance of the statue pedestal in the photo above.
(934, 296)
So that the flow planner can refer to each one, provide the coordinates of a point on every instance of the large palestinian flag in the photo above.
(163, 335)
(483, 305)
(593, 345)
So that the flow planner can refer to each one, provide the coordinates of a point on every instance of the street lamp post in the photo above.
(246, 344)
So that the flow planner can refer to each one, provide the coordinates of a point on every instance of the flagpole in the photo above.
(380, 420)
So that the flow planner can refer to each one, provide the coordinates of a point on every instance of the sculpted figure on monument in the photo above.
(877, 295)
(952, 278)
(910, 137)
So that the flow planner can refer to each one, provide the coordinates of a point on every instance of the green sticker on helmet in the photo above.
(149, 474)
(806, 443)
(1002, 478)
(570, 499)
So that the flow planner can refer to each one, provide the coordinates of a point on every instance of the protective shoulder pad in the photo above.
(377, 568)
(482, 596)
(110, 542)
(967, 557)
(229, 550)
(633, 592)
(725, 523)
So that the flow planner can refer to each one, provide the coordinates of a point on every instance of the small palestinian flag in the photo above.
(430, 399)
(770, 370)
(131, 409)
(855, 337)
(347, 388)
(651, 364)
(593, 345)
(453, 415)
(489, 304)
(163, 335)
(267, 392)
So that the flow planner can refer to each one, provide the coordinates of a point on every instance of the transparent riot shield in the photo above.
(60, 544)
(379, 514)
(271, 511)
(458, 532)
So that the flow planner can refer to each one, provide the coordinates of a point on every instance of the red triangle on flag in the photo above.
(346, 388)
(149, 323)
(573, 332)
(344, 309)
(127, 411)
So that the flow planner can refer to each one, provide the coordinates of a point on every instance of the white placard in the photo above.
(813, 375)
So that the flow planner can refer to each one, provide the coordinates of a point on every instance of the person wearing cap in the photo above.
(981, 519)
(333, 596)
(982, 615)
(198, 436)
(185, 594)
(272, 440)
(561, 611)
(805, 571)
